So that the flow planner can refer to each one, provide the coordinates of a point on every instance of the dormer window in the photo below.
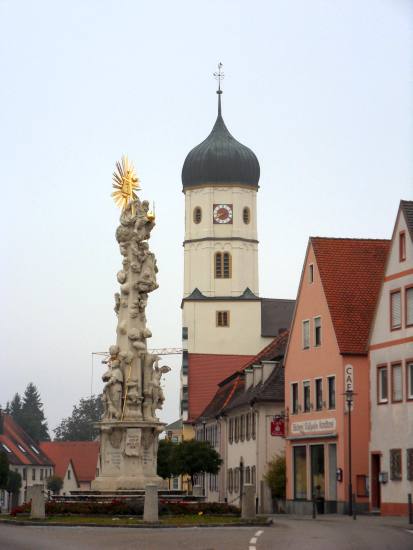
(402, 246)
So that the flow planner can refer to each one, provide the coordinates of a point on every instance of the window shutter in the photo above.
(396, 310)
(409, 306)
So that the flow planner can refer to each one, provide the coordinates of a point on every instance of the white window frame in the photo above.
(309, 386)
(380, 398)
(309, 333)
(314, 331)
(315, 393)
(328, 392)
(409, 378)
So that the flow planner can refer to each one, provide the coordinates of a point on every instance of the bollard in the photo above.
(248, 502)
(410, 507)
(150, 507)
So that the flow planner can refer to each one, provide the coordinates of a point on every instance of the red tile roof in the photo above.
(205, 371)
(83, 454)
(351, 272)
(22, 449)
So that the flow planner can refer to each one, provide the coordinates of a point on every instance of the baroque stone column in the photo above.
(129, 428)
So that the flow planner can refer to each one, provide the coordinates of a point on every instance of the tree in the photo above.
(167, 464)
(80, 425)
(16, 408)
(4, 470)
(54, 484)
(276, 476)
(32, 416)
(196, 457)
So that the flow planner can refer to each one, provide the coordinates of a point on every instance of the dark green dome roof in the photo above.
(220, 159)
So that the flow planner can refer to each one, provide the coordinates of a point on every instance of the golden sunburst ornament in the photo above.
(125, 183)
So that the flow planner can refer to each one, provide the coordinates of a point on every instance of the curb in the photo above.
(267, 523)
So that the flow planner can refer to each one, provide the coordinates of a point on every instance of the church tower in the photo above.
(221, 308)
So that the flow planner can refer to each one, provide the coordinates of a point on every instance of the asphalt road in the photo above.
(338, 533)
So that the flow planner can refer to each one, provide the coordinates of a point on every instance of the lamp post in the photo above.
(349, 399)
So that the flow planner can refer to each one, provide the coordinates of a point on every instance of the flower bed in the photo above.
(131, 508)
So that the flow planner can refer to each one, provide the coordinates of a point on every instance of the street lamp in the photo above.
(349, 394)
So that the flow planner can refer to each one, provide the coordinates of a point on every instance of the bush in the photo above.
(276, 476)
(54, 484)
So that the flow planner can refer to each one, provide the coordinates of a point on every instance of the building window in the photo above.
(402, 246)
(247, 474)
(222, 319)
(382, 385)
(409, 369)
(184, 333)
(331, 392)
(236, 480)
(68, 474)
(306, 334)
(253, 425)
(242, 427)
(253, 475)
(236, 429)
(246, 215)
(307, 396)
(223, 265)
(230, 480)
(396, 383)
(300, 472)
(409, 306)
(231, 430)
(409, 464)
(311, 273)
(395, 310)
(248, 426)
(33, 474)
(319, 394)
(197, 215)
(317, 331)
(175, 483)
(395, 464)
(24, 474)
(294, 397)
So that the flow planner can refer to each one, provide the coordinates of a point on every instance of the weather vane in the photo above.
(219, 75)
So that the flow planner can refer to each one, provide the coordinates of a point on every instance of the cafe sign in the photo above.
(314, 426)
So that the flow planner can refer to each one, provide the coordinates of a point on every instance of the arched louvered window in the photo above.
(197, 215)
(223, 265)
(246, 215)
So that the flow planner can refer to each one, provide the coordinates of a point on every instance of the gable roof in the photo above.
(20, 448)
(407, 208)
(231, 390)
(351, 273)
(82, 454)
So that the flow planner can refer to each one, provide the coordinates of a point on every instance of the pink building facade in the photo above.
(335, 305)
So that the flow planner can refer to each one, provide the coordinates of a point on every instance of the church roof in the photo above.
(220, 159)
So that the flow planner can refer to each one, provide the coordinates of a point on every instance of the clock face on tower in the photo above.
(222, 213)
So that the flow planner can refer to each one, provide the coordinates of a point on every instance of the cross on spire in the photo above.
(219, 75)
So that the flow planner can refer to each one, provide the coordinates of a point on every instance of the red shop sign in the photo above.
(277, 426)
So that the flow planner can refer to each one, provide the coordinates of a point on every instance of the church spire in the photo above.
(219, 75)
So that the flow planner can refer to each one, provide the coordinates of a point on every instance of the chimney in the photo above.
(249, 378)
(267, 368)
(257, 374)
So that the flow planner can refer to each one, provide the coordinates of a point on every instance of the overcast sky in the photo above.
(321, 90)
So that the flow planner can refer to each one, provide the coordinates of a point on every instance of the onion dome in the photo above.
(220, 159)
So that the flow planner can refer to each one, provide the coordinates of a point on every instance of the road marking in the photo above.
(409, 531)
(259, 533)
(253, 540)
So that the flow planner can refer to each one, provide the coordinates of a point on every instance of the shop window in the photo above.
(307, 396)
(362, 485)
(306, 334)
(317, 471)
(409, 464)
(402, 246)
(331, 392)
(395, 310)
(294, 397)
(396, 383)
(409, 306)
(317, 331)
(197, 215)
(395, 464)
(319, 394)
(300, 472)
(382, 385)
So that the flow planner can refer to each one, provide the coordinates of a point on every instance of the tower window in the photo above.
(223, 265)
(197, 215)
(246, 215)
(222, 319)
